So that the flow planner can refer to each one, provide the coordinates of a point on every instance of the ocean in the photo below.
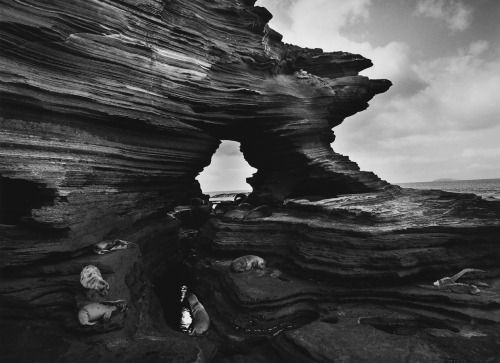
(487, 188)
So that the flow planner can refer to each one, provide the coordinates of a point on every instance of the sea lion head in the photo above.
(102, 287)
(474, 290)
(239, 265)
(121, 305)
(192, 299)
(261, 264)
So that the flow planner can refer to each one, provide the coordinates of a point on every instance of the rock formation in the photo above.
(108, 112)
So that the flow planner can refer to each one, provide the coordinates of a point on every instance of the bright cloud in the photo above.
(319, 24)
(454, 13)
(439, 131)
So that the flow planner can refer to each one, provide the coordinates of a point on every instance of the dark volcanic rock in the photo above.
(109, 110)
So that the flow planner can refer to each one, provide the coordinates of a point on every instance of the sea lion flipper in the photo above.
(454, 278)
(107, 314)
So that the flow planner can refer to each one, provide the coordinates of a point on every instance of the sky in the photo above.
(441, 117)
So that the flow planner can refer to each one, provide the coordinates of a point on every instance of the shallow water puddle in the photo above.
(186, 317)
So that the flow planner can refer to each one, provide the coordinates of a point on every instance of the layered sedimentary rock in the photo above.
(110, 109)
(351, 279)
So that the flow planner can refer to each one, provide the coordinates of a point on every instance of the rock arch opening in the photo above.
(227, 171)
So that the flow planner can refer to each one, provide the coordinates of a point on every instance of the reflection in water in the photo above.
(183, 292)
(186, 317)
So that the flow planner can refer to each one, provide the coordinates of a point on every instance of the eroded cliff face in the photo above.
(110, 109)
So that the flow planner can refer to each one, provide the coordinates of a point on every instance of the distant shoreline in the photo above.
(444, 180)
(227, 191)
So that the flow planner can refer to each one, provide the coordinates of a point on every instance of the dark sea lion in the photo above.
(238, 213)
(91, 313)
(197, 202)
(259, 212)
(240, 197)
(91, 279)
(201, 320)
(222, 208)
(246, 263)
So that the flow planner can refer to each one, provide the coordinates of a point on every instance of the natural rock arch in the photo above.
(112, 108)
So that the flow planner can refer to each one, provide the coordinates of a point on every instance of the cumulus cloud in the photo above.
(320, 23)
(440, 131)
(454, 13)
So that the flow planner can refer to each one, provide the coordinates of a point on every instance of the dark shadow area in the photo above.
(169, 291)
(18, 197)
(405, 326)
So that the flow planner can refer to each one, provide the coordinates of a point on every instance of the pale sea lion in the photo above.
(246, 263)
(91, 278)
(108, 246)
(201, 320)
(259, 212)
(91, 313)
(453, 279)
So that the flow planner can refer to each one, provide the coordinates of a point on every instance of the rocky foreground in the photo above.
(108, 112)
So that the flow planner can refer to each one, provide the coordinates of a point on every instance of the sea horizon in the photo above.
(486, 188)
(444, 180)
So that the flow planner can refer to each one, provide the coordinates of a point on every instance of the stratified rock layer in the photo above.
(351, 279)
(109, 110)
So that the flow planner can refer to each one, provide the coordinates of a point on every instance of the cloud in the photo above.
(448, 125)
(454, 13)
(319, 24)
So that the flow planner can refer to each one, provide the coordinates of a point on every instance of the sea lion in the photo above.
(222, 208)
(91, 313)
(238, 213)
(197, 202)
(259, 212)
(453, 279)
(246, 263)
(91, 278)
(108, 246)
(239, 198)
(457, 288)
(201, 320)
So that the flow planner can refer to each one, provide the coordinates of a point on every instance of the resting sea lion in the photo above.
(91, 278)
(108, 246)
(453, 279)
(222, 208)
(201, 320)
(238, 213)
(197, 202)
(246, 263)
(91, 313)
(259, 212)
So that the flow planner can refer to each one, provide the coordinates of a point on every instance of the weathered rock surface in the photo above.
(109, 110)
